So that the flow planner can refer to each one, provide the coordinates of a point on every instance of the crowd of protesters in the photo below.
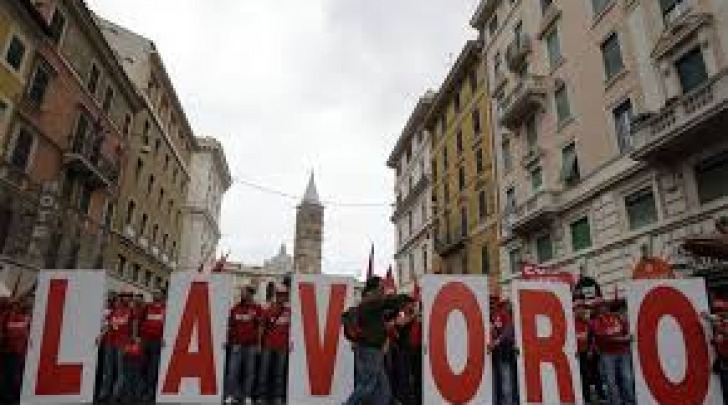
(386, 334)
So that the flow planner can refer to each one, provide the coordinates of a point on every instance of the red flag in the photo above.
(370, 268)
(389, 286)
(220, 264)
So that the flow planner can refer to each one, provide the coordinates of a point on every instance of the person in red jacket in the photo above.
(587, 353)
(151, 330)
(613, 341)
(243, 343)
(16, 331)
(115, 334)
(275, 340)
(719, 322)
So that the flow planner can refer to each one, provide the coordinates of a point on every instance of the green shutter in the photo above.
(544, 248)
(581, 234)
(711, 176)
(641, 209)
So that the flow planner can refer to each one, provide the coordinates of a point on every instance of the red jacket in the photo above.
(151, 327)
(416, 333)
(119, 326)
(276, 326)
(17, 331)
(720, 337)
(606, 327)
(582, 335)
(243, 324)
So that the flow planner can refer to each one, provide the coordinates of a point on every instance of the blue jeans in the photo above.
(12, 378)
(370, 383)
(273, 373)
(616, 371)
(150, 373)
(506, 387)
(112, 378)
(240, 371)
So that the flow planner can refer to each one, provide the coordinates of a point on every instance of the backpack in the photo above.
(352, 324)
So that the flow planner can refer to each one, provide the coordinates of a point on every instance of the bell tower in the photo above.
(309, 232)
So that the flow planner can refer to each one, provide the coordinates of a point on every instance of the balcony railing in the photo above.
(524, 99)
(447, 246)
(85, 157)
(689, 122)
(517, 51)
(404, 204)
(534, 212)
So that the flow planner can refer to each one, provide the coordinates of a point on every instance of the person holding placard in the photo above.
(613, 340)
(16, 333)
(719, 322)
(276, 321)
(243, 343)
(503, 350)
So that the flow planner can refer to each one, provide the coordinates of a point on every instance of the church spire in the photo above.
(311, 195)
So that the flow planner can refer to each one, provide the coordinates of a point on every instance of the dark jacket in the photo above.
(372, 316)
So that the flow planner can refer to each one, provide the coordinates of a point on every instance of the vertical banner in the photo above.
(456, 367)
(193, 357)
(548, 371)
(60, 366)
(321, 363)
(673, 356)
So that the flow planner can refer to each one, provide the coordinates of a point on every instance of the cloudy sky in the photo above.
(290, 86)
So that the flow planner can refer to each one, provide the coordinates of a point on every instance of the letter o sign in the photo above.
(659, 303)
(456, 388)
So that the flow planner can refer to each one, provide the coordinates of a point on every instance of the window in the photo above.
(710, 177)
(482, 204)
(476, 122)
(463, 222)
(127, 124)
(570, 164)
(120, 265)
(20, 155)
(641, 209)
(39, 83)
(600, 5)
(531, 134)
(497, 67)
(161, 196)
(85, 199)
(544, 248)
(93, 79)
(166, 162)
(164, 241)
(446, 192)
(563, 110)
(461, 178)
(510, 199)
(612, 55)
(514, 260)
(157, 145)
(135, 269)
(507, 158)
(155, 229)
(143, 223)
(484, 260)
(553, 46)
(691, 70)
(150, 184)
(82, 128)
(108, 99)
(623, 125)
(669, 6)
(130, 208)
(444, 158)
(109, 209)
(424, 260)
(493, 25)
(139, 167)
(545, 4)
(459, 142)
(57, 25)
(456, 102)
(474, 81)
(479, 161)
(15, 53)
(580, 234)
(536, 179)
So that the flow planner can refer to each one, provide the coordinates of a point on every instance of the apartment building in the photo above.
(609, 122)
(463, 179)
(201, 212)
(65, 132)
(148, 217)
(412, 216)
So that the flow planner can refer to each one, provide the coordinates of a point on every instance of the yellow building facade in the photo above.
(464, 189)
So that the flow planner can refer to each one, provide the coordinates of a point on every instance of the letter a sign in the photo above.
(456, 367)
(192, 361)
(321, 363)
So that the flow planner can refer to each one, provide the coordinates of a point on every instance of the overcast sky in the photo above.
(293, 85)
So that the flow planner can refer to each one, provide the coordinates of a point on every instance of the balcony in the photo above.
(689, 123)
(524, 99)
(447, 246)
(535, 213)
(85, 158)
(517, 51)
(403, 205)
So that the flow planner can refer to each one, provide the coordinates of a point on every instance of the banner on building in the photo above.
(321, 362)
(456, 365)
(548, 371)
(672, 356)
(61, 359)
(193, 358)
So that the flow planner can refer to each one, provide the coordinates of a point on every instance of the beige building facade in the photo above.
(609, 123)
(412, 216)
